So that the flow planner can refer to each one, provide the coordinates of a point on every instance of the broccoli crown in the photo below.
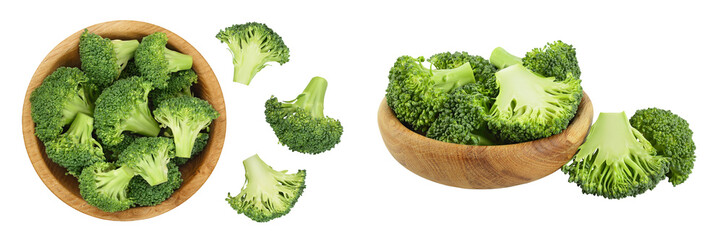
(156, 62)
(556, 59)
(130, 70)
(105, 186)
(530, 107)
(484, 71)
(149, 158)
(76, 148)
(300, 124)
(253, 45)
(416, 94)
(178, 85)
(57, 100)
(198, 147)
(671, 136)
(186, 116)
(124, 107)
(615, 161)
(267, 193)
(463, 119)
(143, 194)
(104, 59)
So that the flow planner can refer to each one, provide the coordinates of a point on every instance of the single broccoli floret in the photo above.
(149, 158)
(76, 148)
(300, 124)
(556, 59)
(54, 104)
(186, 117)
(130, 70)
(463, 119)
(198, 147)
(501, 59)
(105, 186)
(253, 46)
(143, 194)
(615, 161)
(178, 85)
(267, 193)
(671, 136)
(416, 94)
(112, 153)
(124, 107)
(104, 59)
(156, 62)
(484, 71)
(530, 107)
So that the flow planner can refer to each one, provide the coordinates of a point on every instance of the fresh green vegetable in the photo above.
(76, 148)
(105, 186)
(556, 59)
(103, 59)
(112, 153)
(124, 107)
(253, 46)
(130, 70)
(186, 116)
(484, 71)
(267, 193)
(143, 194)
(300, 124)
(463, 119)
(57, 100)
(198, 147)
(156, 62)
(178, 85)
(149, 158)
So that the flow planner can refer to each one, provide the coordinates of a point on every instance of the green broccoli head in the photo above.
(186, 116)
(300, 124)
(671, 136)
(198, 147)
(267, 194)
(484, 71)
(253, 46)
(178, 85)
(54, 104)
(155, 62)
(463, 119)
(416, 94)
(615, 161)
(105, 186)
(149, 158)
(124, 107)
(530, 107)
(104, 59)
(556, 59)
(76, 148)
(143, 194)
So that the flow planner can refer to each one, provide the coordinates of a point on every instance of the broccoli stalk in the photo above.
(186, 116)
(76, 148)
(253, 45)
(149, 158)
(502, 59)
(124, 51)
(105, 186)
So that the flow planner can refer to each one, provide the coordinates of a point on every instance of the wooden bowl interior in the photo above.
(194, 172)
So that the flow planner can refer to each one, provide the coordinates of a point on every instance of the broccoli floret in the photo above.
(76, 148)
(530, 107)
(186, 116)
(198, 147)
(112, 153)
(253, 46)
(484, 71)
(178, 85)
(130, 70)
(149, 158)
(615, 161)
(155, 62)
(143, 194)
(556, 59)
(124, 107)
(57, 100)
(671, 136)
(463, 119)
(300, 124)
(416, 94)
(105, 186)
(267, 193)
(104, 59)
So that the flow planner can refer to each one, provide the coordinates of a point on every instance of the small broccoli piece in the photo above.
(112, 153)
(124, 107)
(104, 59)
(155, 62)
(76, 148)
(54, 104)
(130, 70)
(484, 71)
(149, 158)
(463, 119)
(198, 147)
(556, 59)
(178, 85)
(615, 161)
(253, 46)
(105, 186)
(502, 59)
(671, 136)
(300, 124)
(267, 194)
(416, 94)
(143, 194)
(530, 107)
(186, 116)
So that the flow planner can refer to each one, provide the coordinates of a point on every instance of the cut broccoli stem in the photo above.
(449, 79)
(311, 99)
(261, 174)
(249, 60)
(154, 169)
(115, 183)
(502, 59)
(177, 61)
(82, 127)
(124, 51)
(142, 122)
(529, 89)
(78, 104)
(184, 139)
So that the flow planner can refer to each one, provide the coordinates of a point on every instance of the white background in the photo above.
(632, 55)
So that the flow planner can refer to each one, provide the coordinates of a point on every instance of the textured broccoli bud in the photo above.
(105, 186)
(253, 46)
(76, 148)
(54, 104)
(178, 85)
(149, 158)
(124, 107)
(556, 59)
(104, 59)
(484, 71)
(186, 117)
(155, 62)
(143, 194)
(464, 117)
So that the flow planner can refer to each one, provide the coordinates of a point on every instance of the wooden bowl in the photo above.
(483, 167)
(195, 172)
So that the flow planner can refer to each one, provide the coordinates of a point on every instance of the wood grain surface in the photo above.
(194, 173)
(483, 167)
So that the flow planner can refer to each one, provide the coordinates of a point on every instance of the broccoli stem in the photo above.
(177, 61)
(311, 99)
(502, 59)
(77, 105)
(184, 137)
(247, 61)
(449, 79)
(257, 171)
(124, 51)
(114, 183)
(81, 128)
(154, 169)
(142, 122)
